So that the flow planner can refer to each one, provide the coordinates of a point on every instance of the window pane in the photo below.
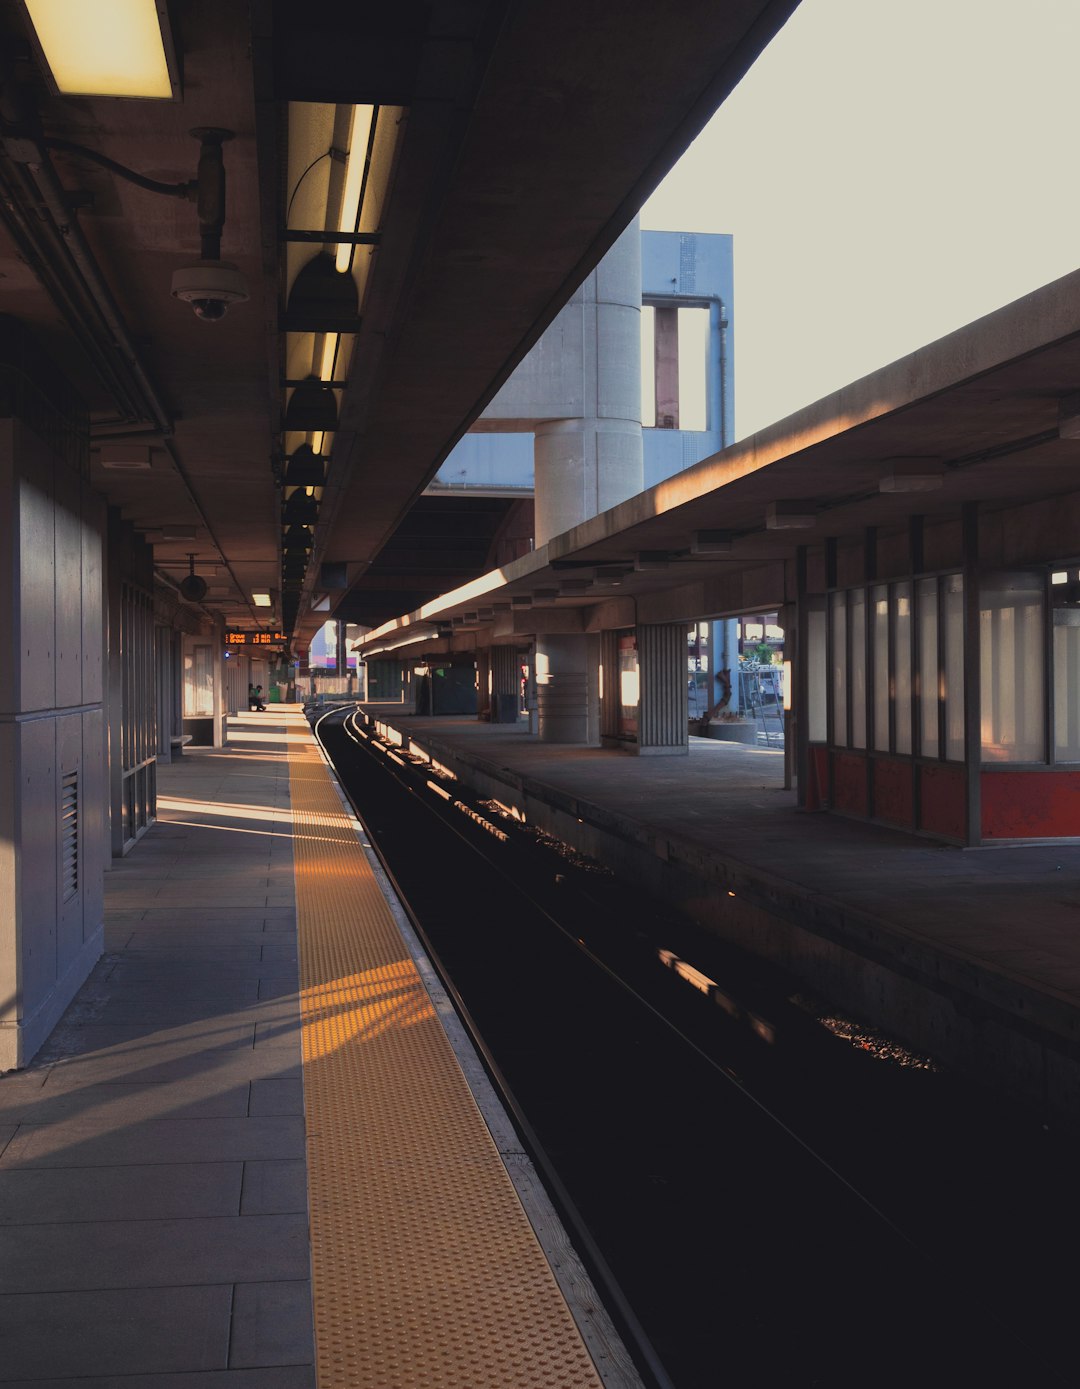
(1066, 683)
(1011, 632)
(881, 668)
(857, 618)
(815, 659)
(929, 685)
(953, 674)
(693, 361)
(902, 666)
(839, 661)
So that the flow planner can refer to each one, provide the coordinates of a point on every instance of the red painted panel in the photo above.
(942, 799)
(849, 783)
(894, 791)
(818, 779)
(1030, 805)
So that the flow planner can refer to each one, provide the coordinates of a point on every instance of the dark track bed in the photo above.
(779, 1207)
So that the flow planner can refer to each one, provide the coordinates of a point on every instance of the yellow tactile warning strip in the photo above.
(426, 1270)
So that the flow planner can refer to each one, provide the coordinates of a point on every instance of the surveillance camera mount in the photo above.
(210, 285)
(210, 188)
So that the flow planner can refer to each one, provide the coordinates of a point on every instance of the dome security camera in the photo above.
(209, 286)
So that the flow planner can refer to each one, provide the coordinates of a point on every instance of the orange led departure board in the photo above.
(253, 638)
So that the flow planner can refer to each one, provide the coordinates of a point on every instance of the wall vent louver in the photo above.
(69, 835)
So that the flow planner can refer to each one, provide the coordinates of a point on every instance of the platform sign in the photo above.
(242, 638)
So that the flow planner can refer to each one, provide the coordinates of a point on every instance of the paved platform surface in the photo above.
(155, 1162)
(153, 1197)
(1000, 924)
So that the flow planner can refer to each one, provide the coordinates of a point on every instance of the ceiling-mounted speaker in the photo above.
(192, 588)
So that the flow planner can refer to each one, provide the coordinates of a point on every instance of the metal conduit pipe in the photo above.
(44, 179)
(63, 295)
(173, 452)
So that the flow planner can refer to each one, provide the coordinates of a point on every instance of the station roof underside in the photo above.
(529, 135)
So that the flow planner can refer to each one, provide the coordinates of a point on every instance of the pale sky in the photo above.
(890, 170)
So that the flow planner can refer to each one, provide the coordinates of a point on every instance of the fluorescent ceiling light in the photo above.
(109, 48)
(329, 352)
(261, 598)
(359, 135)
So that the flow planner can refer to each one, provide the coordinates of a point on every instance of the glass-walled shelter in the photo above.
(945, 701)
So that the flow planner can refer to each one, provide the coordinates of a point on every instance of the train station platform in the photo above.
(258, 1151)
(972, 956)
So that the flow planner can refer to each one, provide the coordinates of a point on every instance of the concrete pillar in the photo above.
(609, 685)
(583, 467)
(724, 657)
(505, 684)
(483, 683)
(591, 458)
(662, 713)
(568, 689)
(53, 787)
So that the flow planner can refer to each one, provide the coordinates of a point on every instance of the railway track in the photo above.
(773, 1208)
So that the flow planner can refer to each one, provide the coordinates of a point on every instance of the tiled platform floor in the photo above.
(153, 1201)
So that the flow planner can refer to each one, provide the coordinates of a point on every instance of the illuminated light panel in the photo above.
(111, 48)
(261, 599)
(326, 366)
(359, 134)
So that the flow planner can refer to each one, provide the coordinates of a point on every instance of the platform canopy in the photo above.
(479, 158)
(989, 414)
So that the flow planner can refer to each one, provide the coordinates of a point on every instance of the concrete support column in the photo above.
(483, 683)
(505, 684)
(590, 458)
(53, 787)
(568, 689)
(724, 658)
(609, 685)
(662, 714)
(584, 467)
(221, 694)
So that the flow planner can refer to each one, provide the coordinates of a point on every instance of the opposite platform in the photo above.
(970, 955)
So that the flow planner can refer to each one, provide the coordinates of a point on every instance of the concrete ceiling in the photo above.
(531, 132)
